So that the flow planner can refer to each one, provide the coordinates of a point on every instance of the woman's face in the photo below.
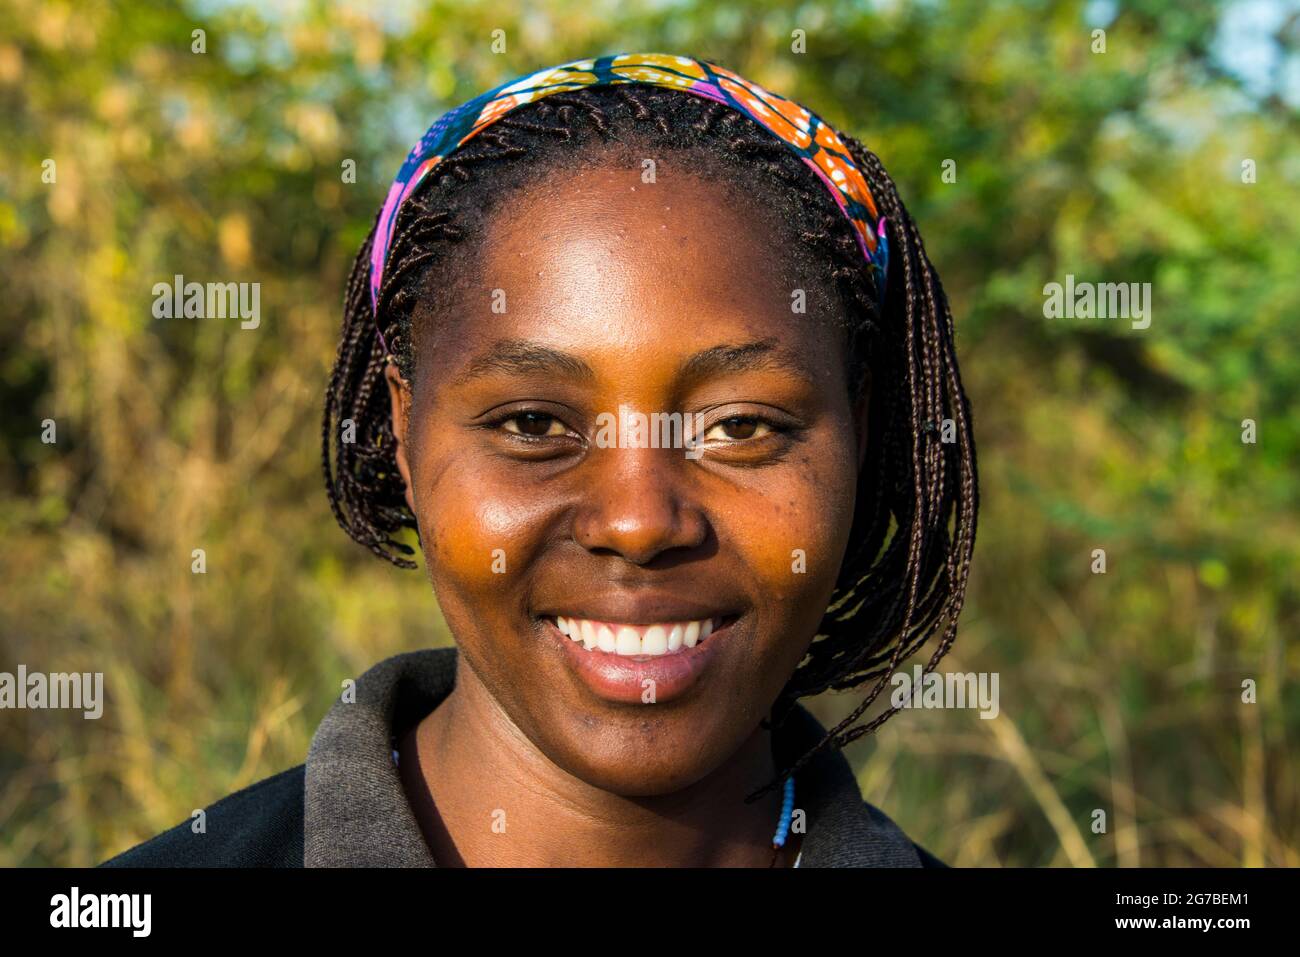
(599, 297)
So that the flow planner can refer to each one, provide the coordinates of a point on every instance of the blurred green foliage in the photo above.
(1120, 691)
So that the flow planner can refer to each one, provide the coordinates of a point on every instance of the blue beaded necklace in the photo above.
(783, 822)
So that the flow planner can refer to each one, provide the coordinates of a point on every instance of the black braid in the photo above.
(895, 590)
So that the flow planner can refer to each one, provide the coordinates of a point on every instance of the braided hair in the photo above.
(903, 578)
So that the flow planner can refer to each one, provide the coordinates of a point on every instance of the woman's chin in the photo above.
(649, 756)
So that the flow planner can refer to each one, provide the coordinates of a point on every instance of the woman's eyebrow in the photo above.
(723, 359)
(521, 357)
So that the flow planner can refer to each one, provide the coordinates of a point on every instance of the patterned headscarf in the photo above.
(804, 133)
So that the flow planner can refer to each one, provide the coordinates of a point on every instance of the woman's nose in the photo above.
(636, 504)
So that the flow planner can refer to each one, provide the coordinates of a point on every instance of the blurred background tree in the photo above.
(1120, 692)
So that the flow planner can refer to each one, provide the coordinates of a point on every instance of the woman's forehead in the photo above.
(677, 208)
(633, 257)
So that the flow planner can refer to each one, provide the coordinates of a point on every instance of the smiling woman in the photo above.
(634, 624)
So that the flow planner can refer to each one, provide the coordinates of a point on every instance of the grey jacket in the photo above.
(345, 807)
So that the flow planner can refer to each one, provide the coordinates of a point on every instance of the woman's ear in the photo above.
(399, 397)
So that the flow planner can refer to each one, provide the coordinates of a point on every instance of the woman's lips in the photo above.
(639, 664)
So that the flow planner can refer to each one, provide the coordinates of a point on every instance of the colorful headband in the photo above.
(813, 141)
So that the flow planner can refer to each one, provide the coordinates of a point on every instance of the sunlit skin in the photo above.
(629, 281)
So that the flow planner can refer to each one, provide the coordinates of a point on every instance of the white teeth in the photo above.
(628, 642)
(655, 641)
(635, 640)
(605, 639)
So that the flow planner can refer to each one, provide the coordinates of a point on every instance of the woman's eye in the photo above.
(534, 425)
(738, 428)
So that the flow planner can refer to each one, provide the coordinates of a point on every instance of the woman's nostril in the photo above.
(649, 539)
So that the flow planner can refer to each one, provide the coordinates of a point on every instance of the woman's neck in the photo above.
(485, 796)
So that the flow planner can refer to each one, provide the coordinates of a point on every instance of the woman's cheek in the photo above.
(792, 549)
(479, 537)
(795, 542)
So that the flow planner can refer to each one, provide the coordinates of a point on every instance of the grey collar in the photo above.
(357, 814)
